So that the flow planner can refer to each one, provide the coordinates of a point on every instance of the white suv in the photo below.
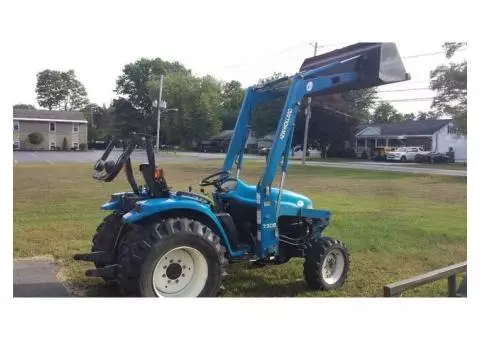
(405, 154)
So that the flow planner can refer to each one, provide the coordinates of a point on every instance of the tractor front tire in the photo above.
(175, 257)
(105, 237)
(326, 264)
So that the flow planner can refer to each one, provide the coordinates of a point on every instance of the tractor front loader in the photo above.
(163, 243)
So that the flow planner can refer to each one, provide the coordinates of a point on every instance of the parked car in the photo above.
(213, 146)
(432, 157)
(297, 152)
(97, 145)
(405, 154)
(380, 153)
(263, 151)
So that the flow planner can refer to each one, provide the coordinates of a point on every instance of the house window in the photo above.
(381, 142)
(75, 127)
(16, 125)
(53, 145)
(52, 127)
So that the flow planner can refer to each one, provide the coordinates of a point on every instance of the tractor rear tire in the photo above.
(172, 257)
(105, 237)
(326, 264)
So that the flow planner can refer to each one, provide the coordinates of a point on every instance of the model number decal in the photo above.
(269, 225)
(285, 124)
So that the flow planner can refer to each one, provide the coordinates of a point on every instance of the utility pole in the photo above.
(308, 113)
(159, 112)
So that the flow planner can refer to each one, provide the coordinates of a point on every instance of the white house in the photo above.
(437, 135)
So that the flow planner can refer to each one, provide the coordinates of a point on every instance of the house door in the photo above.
(371, 147)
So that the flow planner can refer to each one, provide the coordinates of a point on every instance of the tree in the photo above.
(75, 95)
(409, 116)
(50, 92)
(450, 83)
(232, 97)
(60, 90)
(198, 101)
(360, 102)
(24, 106)
(265, 115)
(99, 122)
(427, 115)
(126, 118)
(207, 115)
(139, 84)
(35, 138)
(139, 81)
(386, 113)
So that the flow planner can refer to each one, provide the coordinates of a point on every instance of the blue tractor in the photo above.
(163, 243)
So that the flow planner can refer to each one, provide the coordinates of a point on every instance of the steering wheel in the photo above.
(106, 171)
(215, 179)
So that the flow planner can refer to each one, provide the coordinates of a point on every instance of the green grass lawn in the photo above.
(395, 225)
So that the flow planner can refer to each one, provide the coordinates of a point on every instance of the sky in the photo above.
(247, 42)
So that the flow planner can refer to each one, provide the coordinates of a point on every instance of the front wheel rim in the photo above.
(181, 272)
(333, 266)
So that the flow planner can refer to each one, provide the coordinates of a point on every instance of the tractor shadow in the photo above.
(103, 290)
(250, 282)
(242, 284)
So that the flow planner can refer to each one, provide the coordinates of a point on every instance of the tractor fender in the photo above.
(175, 207)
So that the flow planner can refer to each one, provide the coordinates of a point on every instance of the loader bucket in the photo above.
(376, 64)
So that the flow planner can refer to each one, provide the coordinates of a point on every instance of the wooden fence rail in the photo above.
(450, 273)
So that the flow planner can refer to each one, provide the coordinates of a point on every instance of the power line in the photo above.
(282, 52)
(429, 54)
(406, 100)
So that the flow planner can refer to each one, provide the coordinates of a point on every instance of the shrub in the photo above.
(346, 153)
(64, 144)
(82, 146)
(35, 138)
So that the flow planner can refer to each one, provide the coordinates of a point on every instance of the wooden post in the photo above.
(452, 286)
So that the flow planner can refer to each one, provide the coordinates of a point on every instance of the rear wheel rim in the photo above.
(333, 266)
(181, 272)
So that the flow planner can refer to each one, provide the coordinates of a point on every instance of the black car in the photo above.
(432, 157)
(213, 146)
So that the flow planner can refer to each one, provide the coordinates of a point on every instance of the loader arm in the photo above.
(357, 66)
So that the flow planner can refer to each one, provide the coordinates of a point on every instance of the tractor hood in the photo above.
(376, 64)
(294, 198)
(290, 201)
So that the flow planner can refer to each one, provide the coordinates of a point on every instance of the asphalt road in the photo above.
(46, 157)
(36, 278)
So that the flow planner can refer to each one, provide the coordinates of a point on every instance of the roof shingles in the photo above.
(410, 128)
(46, 114)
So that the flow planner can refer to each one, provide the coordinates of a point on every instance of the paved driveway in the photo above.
(36, 278)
